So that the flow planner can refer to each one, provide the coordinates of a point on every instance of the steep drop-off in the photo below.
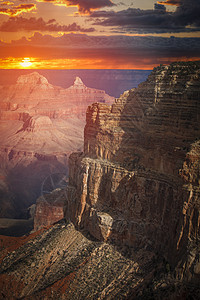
(137, 182)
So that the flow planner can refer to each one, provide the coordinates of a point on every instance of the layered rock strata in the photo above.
(137, 182)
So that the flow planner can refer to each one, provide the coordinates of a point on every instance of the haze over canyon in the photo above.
(40, 125)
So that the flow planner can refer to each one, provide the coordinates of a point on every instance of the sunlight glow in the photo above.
(63, 64)
(26, 62)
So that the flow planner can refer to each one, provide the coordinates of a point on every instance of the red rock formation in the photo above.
(127, 186)
(40, 125)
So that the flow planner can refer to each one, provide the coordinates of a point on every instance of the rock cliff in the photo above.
(137, 182)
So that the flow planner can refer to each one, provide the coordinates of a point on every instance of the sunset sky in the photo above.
(98, 34)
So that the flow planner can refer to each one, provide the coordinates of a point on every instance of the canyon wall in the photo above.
(40, 125)
(137, 182)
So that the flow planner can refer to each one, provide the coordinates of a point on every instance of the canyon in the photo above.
(131, 227)
(40, 125)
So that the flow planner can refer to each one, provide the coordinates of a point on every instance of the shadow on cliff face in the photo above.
(144, 212)
(26, 182)
(159, 207)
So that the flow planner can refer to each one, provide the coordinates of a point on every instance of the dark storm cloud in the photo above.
(159, 6)
(188, 13)
(31, 24)
(84, 6)
(156, 20)
(133, 19)
(87, 5)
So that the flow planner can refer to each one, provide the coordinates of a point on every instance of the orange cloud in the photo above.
(170, 2)
(17, 10)
(7, 3)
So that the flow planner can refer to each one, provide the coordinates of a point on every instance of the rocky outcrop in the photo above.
(80, 93)
(49, 209)
(137, 182)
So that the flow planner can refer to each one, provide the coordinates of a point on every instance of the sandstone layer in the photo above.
(30, 152)
(137, 182)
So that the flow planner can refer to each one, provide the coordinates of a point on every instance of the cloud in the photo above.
(7, 3)
(32, 24)
(17, 10)
(170, 2)
(188, 13)
(159, 7)
(84, 6)
(114, 51)
(133, 19)
(155, 20)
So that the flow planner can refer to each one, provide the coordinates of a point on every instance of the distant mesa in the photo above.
(32, 78)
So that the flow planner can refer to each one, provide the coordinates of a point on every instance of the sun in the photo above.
(26, 62)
